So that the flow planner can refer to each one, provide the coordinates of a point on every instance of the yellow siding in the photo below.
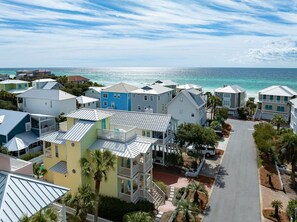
(110, 187)
(70, 123)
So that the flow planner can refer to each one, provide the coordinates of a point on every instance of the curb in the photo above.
(260, 199)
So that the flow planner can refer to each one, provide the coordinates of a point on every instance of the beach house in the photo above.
(151, 98)
(293, 119)
(232, 97)
(188, 106)
(14, 86)
(117, 96)
(169, 84)
(188, 86)
(46, 84)
(274, 100)
(87, 102)
(89, 129)
(46, 101)
(77, 79)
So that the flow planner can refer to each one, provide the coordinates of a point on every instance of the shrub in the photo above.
(29, 156)
(180, 193)
(292, 204)
(174, 159)
(162, 186)
(114, 209)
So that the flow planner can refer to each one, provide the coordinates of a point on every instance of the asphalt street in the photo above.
(235, 196)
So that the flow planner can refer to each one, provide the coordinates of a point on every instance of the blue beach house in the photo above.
(117, 96)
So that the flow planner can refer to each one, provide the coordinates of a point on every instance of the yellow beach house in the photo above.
(90, 129)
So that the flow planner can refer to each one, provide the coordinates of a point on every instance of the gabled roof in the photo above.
(18, 91)
(129, 149)
(278, 91)
(189, 86)
(120, 88)
(12, 81)
(89, 114)
(166, 82)
(152, 89)
(20, 195)
(97, 89)
(85, 100)
(78, 130)
(54, 137)
(230, 89)
(141, 120)
(49, 94)
(194, 96)
(294, 102)
(44, 80)
(51, 85)
(10, 120)
(76, 78)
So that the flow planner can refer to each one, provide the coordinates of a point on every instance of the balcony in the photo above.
(131, 197)
(144, 167)
(122, 134)
(166, 139)
(268, 100)
(129, 172)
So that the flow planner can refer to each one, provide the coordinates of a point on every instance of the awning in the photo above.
(21, 141)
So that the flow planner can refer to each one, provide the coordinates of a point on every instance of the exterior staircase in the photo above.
(155, 195)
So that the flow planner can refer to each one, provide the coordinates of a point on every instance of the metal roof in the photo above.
(20, 195)
(10, 120)
(12, 81)
(230, 89)
(45, 80)
(278, 91)
(51, 85)
(166, 82)
(97, 89)
(60, 167)
(54, 137)
(85, 99)
(294, 102)
(78, 130)
(50, 94)
(189, 86)
(152, 89)
(120, 88)
(89, 114)
(21, 141)
(129, 149)
(141, 120)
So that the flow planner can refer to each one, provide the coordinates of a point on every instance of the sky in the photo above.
(157, 33)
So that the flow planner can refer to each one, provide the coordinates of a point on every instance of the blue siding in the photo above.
(2, 139)
(19, 128)
(121, 101)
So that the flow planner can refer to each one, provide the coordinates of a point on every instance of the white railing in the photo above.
(48, 129)
(48, 152)
(147, 165)
(136, 196)
(125, 197)
(118, 135)
(273, 101)
(148, 196)
(158, 189)
(124, 171)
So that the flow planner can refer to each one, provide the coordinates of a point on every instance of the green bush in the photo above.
(29, 156)
(174, 159)
(180, 193)
(114, 209)
(292, 204)
(162, 186)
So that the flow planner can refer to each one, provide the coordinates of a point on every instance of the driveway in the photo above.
(235, 197)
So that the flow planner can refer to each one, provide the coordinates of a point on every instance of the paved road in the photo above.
(235, 197)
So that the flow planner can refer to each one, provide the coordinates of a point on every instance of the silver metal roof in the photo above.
(21, 141)
(141, 120)
(85, 99)
(20, 195)
(10, 120)
(60, 167)
(120, 88)
(152, 89)
(230, 89)
(51, 94)
(78, 130)
(89, 114)
(278, 91)
(129, 149)
(54, 137)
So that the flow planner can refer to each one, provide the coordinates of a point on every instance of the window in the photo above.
(286, 99)
(271, 97)
(278, 98)
(280, 108)
(148, 133)
(143, 133)
(104, 103)
(47, 150)
(73, 144)
(193, 115)
(226, 103)
(105, 95)
(145, 97)
(28, 127)
(119, 95)
(103, 124)
(57, 151)
(112, 105)
(114, 95)
(158, 97)
(139, 107)
(152, 98)
(268, 107)
(264, 96)
(51, 104)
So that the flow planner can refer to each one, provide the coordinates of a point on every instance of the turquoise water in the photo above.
(252, 79)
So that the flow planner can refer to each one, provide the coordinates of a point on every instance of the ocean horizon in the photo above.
(251, 79)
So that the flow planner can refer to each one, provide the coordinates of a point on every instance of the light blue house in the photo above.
(117, 97)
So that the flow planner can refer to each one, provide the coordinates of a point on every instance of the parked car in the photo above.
(219, 133)
(204, 150)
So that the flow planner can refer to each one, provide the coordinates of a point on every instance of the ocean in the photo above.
(251, 79)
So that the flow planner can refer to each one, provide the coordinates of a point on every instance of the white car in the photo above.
(204, 150)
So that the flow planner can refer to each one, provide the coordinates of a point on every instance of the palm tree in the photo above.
(138, 216)
(44, 215)
(214, 102)
(97, 164)
(288, 144)
(208, 94)
(278, 121)
(25, 218)
(276, 204)
(250, 104)
(189, 210)
(83, 201)
(196, 188)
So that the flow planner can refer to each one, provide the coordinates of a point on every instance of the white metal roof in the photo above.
(89, 114)
(194, 96)
(189, 86)
(51, 85)
(44, 80)
(120, 88)
(60, 167)
(166, 82)
(20, 195)
(96, 89)
(230, 89)
(12, 81)
(278, 91)
(54, 137)
(10, 120)
(141, 120)
(294, 102)
(85, 100)
(78, 130)
(21, 141)
(152, 89)
(129, 149)
(51, 94)
(18, 91)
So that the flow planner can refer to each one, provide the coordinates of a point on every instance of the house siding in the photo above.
(19, 128)
(122, 103)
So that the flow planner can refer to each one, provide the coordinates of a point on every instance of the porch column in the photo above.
(131, 190)
(131, 168)
(63, 213)
(163, 157)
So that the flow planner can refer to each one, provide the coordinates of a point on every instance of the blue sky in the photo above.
(169, 33)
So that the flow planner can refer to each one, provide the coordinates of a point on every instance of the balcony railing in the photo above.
(124, 171)
(48, 152)
(117, 134)
(146, 166)
(131, 197)
(160, 141)
(272, 101)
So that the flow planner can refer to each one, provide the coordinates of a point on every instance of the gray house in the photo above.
(232, 97)
(153, 98)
